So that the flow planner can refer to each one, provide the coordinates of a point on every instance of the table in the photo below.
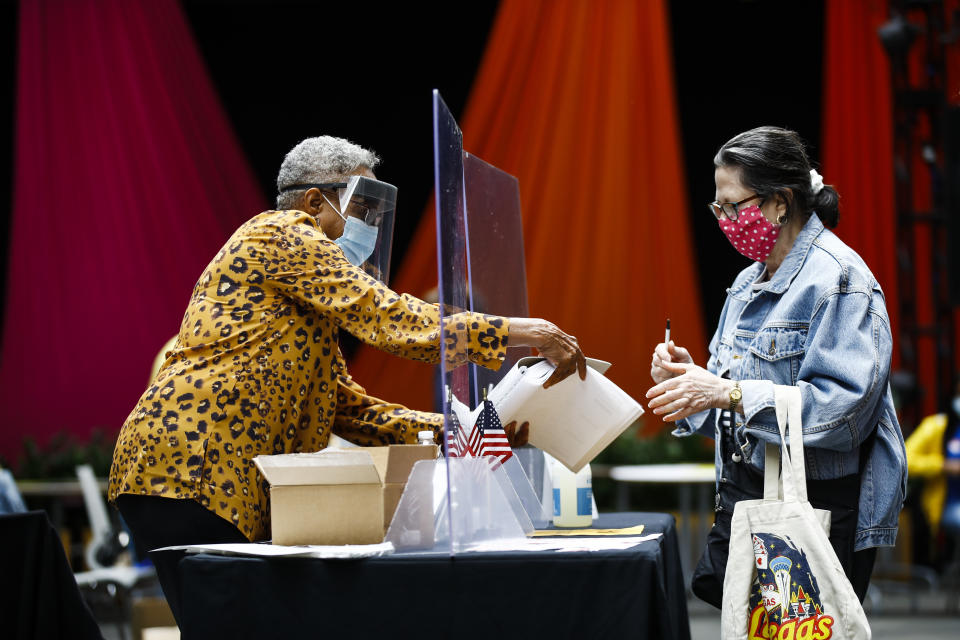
(634, 593)
(63, 501)
(52, 496)
(39, 597)
(686, 475)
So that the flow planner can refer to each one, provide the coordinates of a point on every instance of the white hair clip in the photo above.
(816, 181)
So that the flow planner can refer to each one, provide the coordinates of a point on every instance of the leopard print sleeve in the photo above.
(312, 270)
(369, 421)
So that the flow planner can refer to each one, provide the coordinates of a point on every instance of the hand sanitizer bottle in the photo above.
(572, 496)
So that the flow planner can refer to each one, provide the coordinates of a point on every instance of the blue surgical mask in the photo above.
(358, 240)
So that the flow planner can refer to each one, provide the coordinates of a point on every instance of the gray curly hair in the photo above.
(317, 160)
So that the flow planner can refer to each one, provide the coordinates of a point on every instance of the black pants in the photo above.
(158, 522)
(740, 481)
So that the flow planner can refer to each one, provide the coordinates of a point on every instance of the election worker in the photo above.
(256, 368)
(806, 312)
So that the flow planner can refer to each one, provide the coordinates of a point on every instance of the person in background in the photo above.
(256, 368)
(933, 455)
(806, 312)
(10, 499)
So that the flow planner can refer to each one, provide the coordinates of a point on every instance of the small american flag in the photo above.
(463, 444)
(489, 436)
(453, 432)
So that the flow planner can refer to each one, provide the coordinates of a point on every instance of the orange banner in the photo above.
(577, 100)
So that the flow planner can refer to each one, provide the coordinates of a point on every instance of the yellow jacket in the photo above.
(925, 460)
(256, 369)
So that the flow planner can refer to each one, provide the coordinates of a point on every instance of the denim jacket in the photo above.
(820, 323)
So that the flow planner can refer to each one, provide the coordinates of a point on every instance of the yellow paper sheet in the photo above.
(627, 531)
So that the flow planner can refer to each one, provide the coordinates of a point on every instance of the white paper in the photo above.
(573, 420)
(565, 545)
(302, 551)
(465, 417)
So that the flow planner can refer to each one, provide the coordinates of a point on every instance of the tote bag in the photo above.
(783, 579)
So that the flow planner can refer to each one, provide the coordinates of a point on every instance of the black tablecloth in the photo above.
(39, 597)
(635, 593)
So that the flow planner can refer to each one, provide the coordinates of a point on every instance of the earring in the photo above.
(782, 219)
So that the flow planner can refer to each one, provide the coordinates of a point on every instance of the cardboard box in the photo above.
(338, 496)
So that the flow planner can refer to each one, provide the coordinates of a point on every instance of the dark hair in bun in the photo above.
(773, 162)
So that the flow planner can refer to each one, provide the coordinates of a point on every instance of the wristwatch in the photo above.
(735, 396)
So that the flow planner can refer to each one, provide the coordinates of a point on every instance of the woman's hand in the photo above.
(517, 437)
(667, 352)
(561, 350)
(690, 390)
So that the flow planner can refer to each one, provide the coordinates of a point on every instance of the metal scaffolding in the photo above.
(922, 116)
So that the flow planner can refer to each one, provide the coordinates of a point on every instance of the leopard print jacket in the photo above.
(256, 369)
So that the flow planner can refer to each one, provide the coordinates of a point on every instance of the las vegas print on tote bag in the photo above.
(783, 579)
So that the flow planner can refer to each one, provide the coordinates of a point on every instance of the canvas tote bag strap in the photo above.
(772, 489)
(794, 473)
(772, 478)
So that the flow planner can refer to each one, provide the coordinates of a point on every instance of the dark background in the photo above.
(289, 70)
(740, 64)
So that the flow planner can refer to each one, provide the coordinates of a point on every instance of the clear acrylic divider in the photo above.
(473, 501)
(412, 527)
(497, 284)
(536, 508)
(497, 276)
(482, 506)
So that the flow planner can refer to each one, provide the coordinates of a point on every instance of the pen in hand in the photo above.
(666, 339)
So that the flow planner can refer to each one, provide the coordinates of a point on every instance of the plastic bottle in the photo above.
(572, 496)
(426, 437)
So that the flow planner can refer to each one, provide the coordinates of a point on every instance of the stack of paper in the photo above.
(573, 420)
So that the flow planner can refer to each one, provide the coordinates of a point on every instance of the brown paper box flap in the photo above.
(391, 498)
(395, 461)
(331, 466)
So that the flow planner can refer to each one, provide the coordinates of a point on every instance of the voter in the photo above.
(806, 312)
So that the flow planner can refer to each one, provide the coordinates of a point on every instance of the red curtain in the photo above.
(577, 100)
(127, 180)
(952, 63)
(858, 137)
(859, 159)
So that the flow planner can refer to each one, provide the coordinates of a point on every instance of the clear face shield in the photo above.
(367, 207)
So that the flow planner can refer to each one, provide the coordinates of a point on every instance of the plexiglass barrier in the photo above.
(497, 284)
(496, 271)
(461, 500)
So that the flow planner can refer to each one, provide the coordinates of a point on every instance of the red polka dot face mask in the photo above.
(751, 234)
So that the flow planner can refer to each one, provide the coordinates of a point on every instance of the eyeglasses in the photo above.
(371, 214)
(360, 210)
(731, 209)
(356, 208)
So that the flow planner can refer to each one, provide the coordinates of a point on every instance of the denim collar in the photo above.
(798, 254)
